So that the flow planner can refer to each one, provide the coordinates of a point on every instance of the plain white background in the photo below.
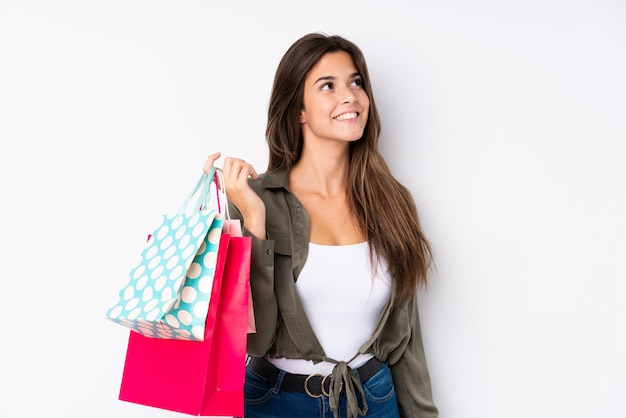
(505, 119)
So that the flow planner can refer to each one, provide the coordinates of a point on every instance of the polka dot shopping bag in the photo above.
(167, 294)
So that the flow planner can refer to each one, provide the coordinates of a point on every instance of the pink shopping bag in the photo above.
(200, 378)
(233, 227)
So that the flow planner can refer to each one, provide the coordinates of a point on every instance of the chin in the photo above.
(355, 137)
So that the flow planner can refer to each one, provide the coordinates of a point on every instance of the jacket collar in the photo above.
(275, 179)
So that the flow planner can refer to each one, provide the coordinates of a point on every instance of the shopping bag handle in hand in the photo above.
(221, 190)
(204, 183)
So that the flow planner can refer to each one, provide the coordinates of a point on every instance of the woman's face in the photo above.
(335, 103)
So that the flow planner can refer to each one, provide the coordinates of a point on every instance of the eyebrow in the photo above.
(330, 77)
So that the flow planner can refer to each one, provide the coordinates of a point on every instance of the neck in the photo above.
(324, 173)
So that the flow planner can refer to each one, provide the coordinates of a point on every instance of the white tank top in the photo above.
(343, 298)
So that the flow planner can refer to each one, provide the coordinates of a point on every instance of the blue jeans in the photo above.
(264, 401)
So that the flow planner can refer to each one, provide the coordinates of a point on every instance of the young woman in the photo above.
(338, 251)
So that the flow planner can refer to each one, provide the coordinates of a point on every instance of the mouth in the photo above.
(346, 116)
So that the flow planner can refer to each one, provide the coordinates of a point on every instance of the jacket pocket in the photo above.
(282, 242)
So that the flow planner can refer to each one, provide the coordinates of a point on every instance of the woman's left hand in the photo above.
(236, 174)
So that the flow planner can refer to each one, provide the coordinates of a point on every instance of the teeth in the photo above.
(345, 116)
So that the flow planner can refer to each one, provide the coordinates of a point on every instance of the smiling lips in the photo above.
(345, 116)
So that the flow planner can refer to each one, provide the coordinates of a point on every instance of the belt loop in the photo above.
(279, 381)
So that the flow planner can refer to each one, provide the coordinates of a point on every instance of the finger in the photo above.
(235, 169)
(249, 171)
(210, 161)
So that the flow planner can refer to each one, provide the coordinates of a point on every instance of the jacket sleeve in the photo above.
(410, 371)
(262, 289)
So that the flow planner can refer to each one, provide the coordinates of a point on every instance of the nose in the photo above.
(347, 95)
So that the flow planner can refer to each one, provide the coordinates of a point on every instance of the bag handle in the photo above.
(204, 197)
(221, 190)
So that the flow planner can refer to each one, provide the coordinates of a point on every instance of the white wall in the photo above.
(505, 119)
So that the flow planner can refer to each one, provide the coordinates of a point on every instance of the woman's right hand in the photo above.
(236, 174)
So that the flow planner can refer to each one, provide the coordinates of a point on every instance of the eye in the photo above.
(327, 86)
(357, 82)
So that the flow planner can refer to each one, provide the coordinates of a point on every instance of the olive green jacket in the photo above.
(283, 329)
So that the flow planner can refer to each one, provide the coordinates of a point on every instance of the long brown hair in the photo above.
(383, 207)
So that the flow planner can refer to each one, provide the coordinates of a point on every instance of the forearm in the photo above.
(261, 284)
(410, 374)
(263, 299)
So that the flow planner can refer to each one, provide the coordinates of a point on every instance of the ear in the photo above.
(302, 117)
